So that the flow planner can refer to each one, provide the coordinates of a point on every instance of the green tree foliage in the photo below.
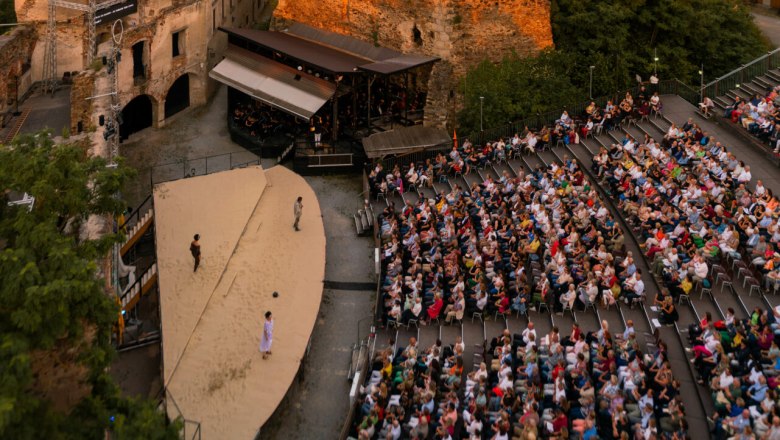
(52, 299)
(629, 34)
(620, 38)
(515, 86)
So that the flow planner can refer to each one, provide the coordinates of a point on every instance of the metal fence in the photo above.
(743, 74)
(329, 160)
(200, 166)
(190, 429)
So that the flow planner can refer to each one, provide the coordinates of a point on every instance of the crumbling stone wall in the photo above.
(81, 107)
(460, 32)
(154, 22)
(16, 50)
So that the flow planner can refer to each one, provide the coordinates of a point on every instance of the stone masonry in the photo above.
(461, 32)
(15, 52)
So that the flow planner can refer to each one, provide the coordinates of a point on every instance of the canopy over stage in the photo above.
(212, 320)
(274, 83)
(405, 140)
(331, 52)
(316, 93)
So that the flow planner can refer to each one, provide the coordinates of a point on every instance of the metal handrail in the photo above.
(166, 394)
(743, 74)
(742, 67)
(136, 213)
(138, 280)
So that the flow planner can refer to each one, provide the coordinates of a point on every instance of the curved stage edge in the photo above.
(212, 319)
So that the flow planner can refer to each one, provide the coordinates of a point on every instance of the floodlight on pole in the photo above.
(701, 87)
(590, 84)
(655, 62)
(481, 101)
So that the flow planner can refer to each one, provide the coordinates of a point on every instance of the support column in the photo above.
(335, 119)
(368, 122)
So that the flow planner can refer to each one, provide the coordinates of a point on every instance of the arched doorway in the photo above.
(178, 97)
(136, 116)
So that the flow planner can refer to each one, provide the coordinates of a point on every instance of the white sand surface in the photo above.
(212, 319)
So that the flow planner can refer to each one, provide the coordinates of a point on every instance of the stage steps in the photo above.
(14, 129)
(285, 153)
(364, 221)
(137, 230)
(141, 286)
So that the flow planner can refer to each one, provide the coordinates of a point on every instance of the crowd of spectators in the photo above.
(759, 116)
(260, 121)
(594, 385)
(541, 239)
(690, 202)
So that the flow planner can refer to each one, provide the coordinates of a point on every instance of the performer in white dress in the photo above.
(268, 335)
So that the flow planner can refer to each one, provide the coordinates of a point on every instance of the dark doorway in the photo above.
(136, 116)
(178, 97)
(139, 70)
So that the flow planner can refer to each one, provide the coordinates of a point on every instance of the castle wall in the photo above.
(461, 32)
(16, 50)
(200, 46)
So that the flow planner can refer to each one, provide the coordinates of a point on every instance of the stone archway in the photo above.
(136, 115)
(178, 97)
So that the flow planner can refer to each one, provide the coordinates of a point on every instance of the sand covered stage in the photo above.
(212, 319)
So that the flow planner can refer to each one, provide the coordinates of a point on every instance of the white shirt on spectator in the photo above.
(726, 379)
(639, 287)
(700, 269)
(527, 332)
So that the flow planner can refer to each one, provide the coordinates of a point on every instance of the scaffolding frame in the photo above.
(50, 79)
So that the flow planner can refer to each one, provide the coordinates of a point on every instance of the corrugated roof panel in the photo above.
(275, 84)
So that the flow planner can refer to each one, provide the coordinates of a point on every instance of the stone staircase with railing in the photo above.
(137, 230)
(13, 130)
(141, 286)
(364, 220)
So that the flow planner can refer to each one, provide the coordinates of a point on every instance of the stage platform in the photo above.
(212, 319)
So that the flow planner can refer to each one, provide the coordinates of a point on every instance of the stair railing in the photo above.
(744, 73)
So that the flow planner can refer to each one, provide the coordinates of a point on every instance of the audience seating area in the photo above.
(538, 240)
(465, 235)
(585, 385)
(753, 107)
(689, 202)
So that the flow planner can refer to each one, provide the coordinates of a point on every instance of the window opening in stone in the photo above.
(417, 36)
(139, 70)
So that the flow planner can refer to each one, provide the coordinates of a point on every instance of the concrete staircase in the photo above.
(13, 130)
(141, 286)
(137, 230)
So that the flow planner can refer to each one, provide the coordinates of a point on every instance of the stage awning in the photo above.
(331, 51)
(398, 64)
(405, 140)
(275, 84)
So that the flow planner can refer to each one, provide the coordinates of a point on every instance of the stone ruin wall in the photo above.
(461, 32)
(16, 49)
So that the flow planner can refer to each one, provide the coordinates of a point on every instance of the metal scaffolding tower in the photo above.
(50, 79)
(115, 113)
